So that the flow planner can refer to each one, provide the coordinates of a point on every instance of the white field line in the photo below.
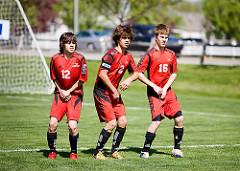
(92, 104)
(83, 148)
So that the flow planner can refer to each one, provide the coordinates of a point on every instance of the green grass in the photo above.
(210, 100)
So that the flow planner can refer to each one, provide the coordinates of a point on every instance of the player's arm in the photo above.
(126, 83)
(168, 84)
(104, 77)
(146, 81)
(75, 86)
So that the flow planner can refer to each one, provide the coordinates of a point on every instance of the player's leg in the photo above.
(73, 114)
(178, 134)
(118, 137)
(120, 114)
(104, 135)
(149, 137)
(57, 112)
(73, 138)
(106, 114)
(103, 138)
(52, 137)
(173, 110)
(156, 111)
(178, 131)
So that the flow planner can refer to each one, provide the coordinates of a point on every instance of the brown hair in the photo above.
(161, 29)
(122, 31)
(67, 37)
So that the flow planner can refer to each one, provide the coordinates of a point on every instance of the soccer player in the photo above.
(68, 71)
(108, 101)
(161, 66)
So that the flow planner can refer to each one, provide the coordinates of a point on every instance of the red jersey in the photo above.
(68, 71)
(159, 65)
(116, 63)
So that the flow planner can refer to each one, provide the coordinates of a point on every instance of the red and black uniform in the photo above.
(160, 66)
(68, 72)
(116, 63)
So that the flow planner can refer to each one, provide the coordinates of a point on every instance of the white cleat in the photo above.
(144, 155)
(177, 153)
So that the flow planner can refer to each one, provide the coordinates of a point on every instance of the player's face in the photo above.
(161, 40)
(124, 41)
(69, 47)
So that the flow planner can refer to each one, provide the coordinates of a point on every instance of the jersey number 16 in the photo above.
(163, 68)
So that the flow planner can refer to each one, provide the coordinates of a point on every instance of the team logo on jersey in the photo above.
(75, 65)
(106, 65)
(168, 59)
(84, 69)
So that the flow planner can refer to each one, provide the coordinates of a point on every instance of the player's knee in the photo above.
(72, 129)
(122, 123)
(111, 125)
(52, 127)
(179, 120)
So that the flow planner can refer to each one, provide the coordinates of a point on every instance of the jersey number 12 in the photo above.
(65, 74)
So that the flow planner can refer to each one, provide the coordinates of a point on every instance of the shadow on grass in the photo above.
(90, 151)
(60, 153)
(127, 149)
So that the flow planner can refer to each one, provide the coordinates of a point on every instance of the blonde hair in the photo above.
(161, 29)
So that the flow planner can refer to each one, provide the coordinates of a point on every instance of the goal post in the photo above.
(23, 68)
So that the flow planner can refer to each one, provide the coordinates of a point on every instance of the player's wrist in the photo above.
(114, 91)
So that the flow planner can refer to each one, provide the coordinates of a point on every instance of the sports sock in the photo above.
(52, 138)
(117, 138)
(103, 137)
(178, 133)
(148, 141)
(73, 143)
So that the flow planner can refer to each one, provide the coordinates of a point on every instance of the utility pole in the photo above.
(76, 11)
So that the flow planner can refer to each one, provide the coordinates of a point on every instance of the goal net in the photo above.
(23, 68)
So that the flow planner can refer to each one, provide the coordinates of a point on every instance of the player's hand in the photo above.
(65, 95)
(157, 90)
(163, 95)
(67, 98)
(115, 95)
(125, 84)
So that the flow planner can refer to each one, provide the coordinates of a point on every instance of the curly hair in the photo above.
(161, 29)
(67, 37)
(122, 31)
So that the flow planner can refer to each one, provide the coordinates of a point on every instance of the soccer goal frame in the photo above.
(23, 68)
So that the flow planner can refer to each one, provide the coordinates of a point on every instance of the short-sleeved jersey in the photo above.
(69, 71)
(159, 66)
(116, 63)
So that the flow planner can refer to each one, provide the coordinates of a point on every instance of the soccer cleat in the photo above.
(177, 153)
(144, 155)
(116, 155)
(52, 155)
(99, 156)
(73, 156)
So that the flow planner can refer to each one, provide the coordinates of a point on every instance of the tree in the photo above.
(94, 12)
(40, 13)
(224, 16)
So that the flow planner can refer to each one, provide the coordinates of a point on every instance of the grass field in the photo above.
(210, 100)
